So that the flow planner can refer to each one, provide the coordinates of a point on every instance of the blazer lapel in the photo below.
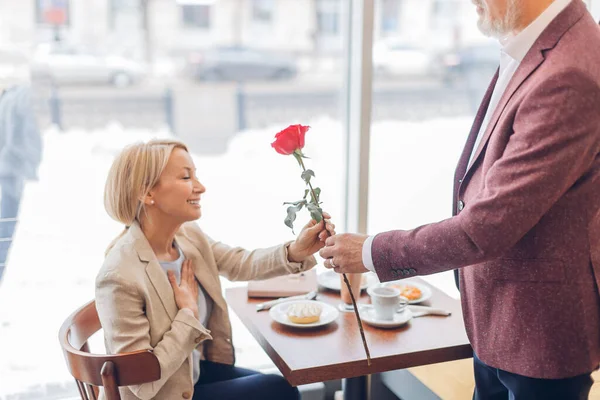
(534, 58)
(531, 62)
(161, 283)
(479, 117)
(155, 273)
(461, 168)
(202, 271)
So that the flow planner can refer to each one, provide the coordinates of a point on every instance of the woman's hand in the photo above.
(186, 293)
(311, 239)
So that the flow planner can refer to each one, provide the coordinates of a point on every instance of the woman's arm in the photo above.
(126, 328)
(238, 264)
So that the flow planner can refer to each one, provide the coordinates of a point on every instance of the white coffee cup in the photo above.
(385, 301)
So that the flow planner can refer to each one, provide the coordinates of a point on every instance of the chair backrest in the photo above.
(94, 370)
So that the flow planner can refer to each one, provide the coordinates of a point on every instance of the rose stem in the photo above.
(360, 325)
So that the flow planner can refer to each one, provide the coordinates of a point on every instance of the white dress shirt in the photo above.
(514, 50)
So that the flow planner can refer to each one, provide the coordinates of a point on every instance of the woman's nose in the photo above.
(199, 188)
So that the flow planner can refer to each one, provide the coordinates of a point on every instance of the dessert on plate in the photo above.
(304, 313)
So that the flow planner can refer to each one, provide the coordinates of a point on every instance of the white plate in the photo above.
(425, 290)
(279, 314)
(331, 280)
(401, 318)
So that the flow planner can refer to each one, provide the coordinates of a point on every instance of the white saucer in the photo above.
(401, 318)
(279, 314)
(331, 280)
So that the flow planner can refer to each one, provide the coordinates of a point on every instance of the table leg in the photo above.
(356, 388)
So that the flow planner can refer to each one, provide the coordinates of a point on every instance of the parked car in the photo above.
(63, 64)
(474, 63)
(398, 58)
(240, 64)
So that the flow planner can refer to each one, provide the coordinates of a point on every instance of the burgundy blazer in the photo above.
(526, 226)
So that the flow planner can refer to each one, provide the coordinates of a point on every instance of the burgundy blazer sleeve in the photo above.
(555, 140)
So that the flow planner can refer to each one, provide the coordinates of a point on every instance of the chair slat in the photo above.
(82, 392)
(109, 381)
(91, 392)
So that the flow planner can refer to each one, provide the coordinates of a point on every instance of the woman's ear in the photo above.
(148, 200)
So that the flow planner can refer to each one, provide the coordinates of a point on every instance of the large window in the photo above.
(97, 90)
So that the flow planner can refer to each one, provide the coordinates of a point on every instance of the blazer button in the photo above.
(394, 272)
(412, 271)
(405, 272)
(461, 205)
(186, 395)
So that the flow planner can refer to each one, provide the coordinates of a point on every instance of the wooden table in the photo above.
(335, 351)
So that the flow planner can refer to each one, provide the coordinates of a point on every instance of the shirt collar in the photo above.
(518, 46)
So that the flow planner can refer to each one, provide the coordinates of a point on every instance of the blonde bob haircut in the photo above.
(134, 172)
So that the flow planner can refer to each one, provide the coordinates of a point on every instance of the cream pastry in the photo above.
(304, 313)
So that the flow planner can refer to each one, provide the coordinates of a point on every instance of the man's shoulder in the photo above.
(573, 62)
(578, 49)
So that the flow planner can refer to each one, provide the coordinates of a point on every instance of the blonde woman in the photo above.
(159, 286)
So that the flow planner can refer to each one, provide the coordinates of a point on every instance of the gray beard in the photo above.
(500, 28)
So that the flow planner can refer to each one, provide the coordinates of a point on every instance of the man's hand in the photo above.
(311, 239)
(343, 253)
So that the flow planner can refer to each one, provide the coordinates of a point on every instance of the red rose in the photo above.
(290, 139)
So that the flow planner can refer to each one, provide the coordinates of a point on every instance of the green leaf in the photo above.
(291, 217)
(315, 212)
(306, 175)
(306, 193)
(317, 193)
(299, 204)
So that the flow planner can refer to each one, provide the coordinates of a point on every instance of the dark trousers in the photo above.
(496, 384)
(11, 190)
(227, 382)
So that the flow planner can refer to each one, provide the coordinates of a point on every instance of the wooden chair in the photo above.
(93, 370)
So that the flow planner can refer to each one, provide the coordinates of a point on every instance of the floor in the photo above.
(454, 380)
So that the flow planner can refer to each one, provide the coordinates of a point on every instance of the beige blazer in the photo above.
(137, 308)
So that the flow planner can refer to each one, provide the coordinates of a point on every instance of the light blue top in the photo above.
(205, 304)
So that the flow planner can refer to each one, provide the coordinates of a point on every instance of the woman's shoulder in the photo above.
(120, 264)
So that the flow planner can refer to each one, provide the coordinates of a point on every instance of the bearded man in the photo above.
(525, 232)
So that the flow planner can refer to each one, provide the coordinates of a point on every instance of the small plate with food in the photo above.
(304, 313)
(414, 292)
